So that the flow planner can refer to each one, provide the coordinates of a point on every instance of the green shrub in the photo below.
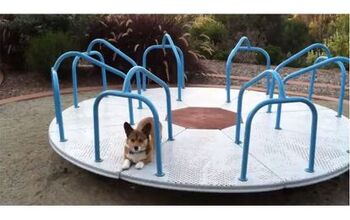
(132, 34)
(295, 36)
(208, 26)
(44, 49)
(338, 42)
(276, 55)
(208, 37)
(16, 31)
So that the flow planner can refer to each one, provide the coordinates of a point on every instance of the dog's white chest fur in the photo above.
(136, 157)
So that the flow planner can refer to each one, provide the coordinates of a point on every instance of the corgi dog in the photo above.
(139, 144)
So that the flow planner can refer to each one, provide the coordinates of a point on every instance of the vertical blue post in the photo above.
(57, 101)
(239, 116)
(138, 83)
(75, 81)
(272, 88)
(311, 85)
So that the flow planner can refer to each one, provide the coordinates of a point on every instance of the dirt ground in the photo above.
(32, 173)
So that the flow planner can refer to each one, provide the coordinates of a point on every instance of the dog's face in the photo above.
(136, 140)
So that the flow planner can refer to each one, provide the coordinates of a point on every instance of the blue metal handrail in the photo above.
(233, 53)
(308, 70)
(127, 86)
(75, 80)
(180, 75)
(126, 94)
(157, 140)
(110, 46)
(295, 57)
(155, 47)
(312, 149)
(248, 84)
(303, 52)
(281, 99)
(56, 89)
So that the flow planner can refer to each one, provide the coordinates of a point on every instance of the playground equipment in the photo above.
(210, 160)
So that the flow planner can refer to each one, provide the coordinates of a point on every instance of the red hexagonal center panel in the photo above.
(204, 118)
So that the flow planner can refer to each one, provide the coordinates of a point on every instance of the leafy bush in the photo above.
(295, 36)
(44, 49)
(132, 34)
(16, 31)
(338, 42)
(276, 55)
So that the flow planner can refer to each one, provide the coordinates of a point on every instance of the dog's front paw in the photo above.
(126, 164)
(139, 165)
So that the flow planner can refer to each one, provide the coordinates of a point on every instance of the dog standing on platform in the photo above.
(139, 144)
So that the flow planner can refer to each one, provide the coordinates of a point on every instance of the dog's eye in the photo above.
(140, 140)
(132, 140)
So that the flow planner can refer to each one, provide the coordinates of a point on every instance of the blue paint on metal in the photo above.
(160, 82)
(255, 80)
(338, 60)
(57, 101)
(122, 55)
(74, 75)
(56, 89)
(233, 53)
(295, 57)
(180, 71)
(157, 140)
(179, 64)
(342, 83)
(312, 149)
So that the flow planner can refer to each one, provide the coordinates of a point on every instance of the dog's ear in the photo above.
(127, 128)
(147, 129)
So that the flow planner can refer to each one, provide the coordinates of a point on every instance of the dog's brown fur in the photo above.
(143, 137)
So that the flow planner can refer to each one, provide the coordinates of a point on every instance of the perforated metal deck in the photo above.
(209, 160)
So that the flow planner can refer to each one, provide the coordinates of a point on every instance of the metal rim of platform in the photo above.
(189, 95)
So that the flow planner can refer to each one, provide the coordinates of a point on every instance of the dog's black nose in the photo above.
(136, 148)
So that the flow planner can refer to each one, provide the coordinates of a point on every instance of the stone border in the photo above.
(94, 88)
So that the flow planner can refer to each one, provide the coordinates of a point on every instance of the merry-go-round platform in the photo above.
(206, 158)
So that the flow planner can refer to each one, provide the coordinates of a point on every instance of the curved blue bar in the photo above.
(122, 55)
(166, 38)
(312, 150)
(307, 70)
(296, 56)
(55, 85)
(160, 82)
(155, 47)
(233, 53)
(303, 52)
(246, 85)
(342, 84)
(74, 76)
(111, 47)
(157, 140)
(57, 101)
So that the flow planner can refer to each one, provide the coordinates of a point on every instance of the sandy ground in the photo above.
(32, 173)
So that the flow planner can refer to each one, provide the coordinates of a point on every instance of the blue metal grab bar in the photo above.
(308, 70)
(122, 55)
(231, 56)
(56, 89)
(75, 80)
(295, 57)
(126, 94)
(180, 78)
(127, 86)
(246, 85)
(157, 140)
(342, 83)
(312, 149)
(155, 47)
(281, 99)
